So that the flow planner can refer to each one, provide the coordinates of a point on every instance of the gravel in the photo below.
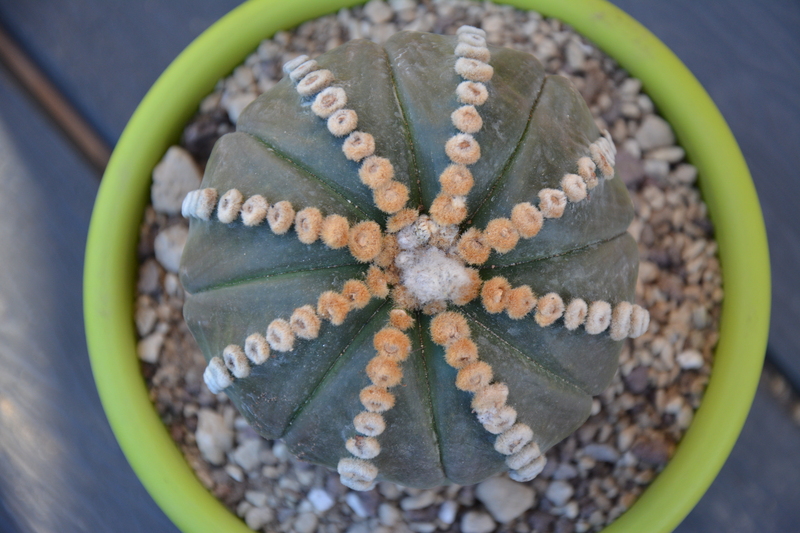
(591, 477)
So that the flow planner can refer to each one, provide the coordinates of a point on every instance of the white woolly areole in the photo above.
(429, 275)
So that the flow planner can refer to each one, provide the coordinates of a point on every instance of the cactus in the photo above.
(411, 261)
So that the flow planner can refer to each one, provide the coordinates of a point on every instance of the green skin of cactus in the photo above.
(238, 279)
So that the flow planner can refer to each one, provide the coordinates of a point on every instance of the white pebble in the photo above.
(149, 348)
(447, 512)
(234, 472)
(306, 523)
(388, 514)
(690, 359)
(356, 504)
(173, 178)
(247, 454)
(654, 133)
(505, 499)
(214, 436)
(169, 245)
(475, 522)
(256, 498)
(320, 499)
(258, 517)
(559, 493)
(420, 501)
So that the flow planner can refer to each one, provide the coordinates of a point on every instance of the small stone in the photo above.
(169, 245)
(306, 523)
(146, 315)
(630, 87)
(637, 380)
(690, 359)
(149, 348)
(565, 471)
(388, 514)
(356, 505)
(654, 451)
(256, 498)
(173, 178)
(150, 274)
(626, 437)
(684, 173)
(559, 493)
(505, 499)
(654, 132)
(378, 11)
(670, 154)
(258, 517)
(630, 169)
(656, 169)
(420, 501)
(575, 56)
(448, 511)
(234, 106)
(630, 110)
(320, 499)
(246, 455)
(476, 522)
(493, 24)
(214, 436)
(234, 472)
(602, 452)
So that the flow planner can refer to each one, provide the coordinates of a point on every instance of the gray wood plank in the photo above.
(60, 466)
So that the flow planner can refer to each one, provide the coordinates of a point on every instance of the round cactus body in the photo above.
(411, 261)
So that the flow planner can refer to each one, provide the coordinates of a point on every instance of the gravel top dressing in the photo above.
(591, 477)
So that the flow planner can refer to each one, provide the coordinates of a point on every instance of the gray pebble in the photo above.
(656, 169)
(565, 471)
(234, 472)
(214, 436)
(388, 514)
(258, 517)
(602, 452)
(306, 523)
(246, 454)
(559, 493)
(476, 522)
(320, 499)
(169, 245)
(670, 154)
(256, 498)
(505, 499)
(149, 348)
(173, 178)
(654, 132)
(448, 511)
(420, 501)
(356, 505)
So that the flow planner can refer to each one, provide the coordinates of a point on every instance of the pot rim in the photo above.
(724, 180)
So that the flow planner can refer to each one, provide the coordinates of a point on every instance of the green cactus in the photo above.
(411, 261)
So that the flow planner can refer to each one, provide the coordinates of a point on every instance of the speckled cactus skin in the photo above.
(239, 279)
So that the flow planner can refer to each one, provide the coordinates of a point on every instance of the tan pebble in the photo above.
(308, 224)
(256, 348)
(333, 307)
(470, 290)
(369, 424)
(514, 439)
(461, 353)
(575, 314)
(472, 248)
(466, 119)
(280, 217)
(216, 375)
(236, 361)
(384, 371)
(446, 210)
(376, 399)
(529, 471)
(498, 421)
(302, 69)
(375, 172)
(479, 53)
(472, 93)
(403, 298)
(621, 320)
(501, 235)
(490, 398)
(401, 219)
(521, 300)
(358, 145)
(552, 203)
(474, 70)
(356, 293)
(335, 231)
(586, 170)
(528, 453)
(376, 282)
(305, 323)
(280, 336)
(391, 197)
(494, 294)
(401, 319)
(365, 240)
(473, 39)
(549, 308)
(448, 327)
(527, 220)
(598, 317)
(456, 180)
(363, 447)
(254, 210)
(314, 82)
(640, 321)
(229, 206)
(392, 343)
(474, 377)
(329, 101)
(574, 187)
(342, 122)
(462, 149)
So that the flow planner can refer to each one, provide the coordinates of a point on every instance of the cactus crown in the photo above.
(410, 314)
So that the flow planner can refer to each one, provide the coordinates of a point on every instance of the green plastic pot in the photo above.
(111, 262)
